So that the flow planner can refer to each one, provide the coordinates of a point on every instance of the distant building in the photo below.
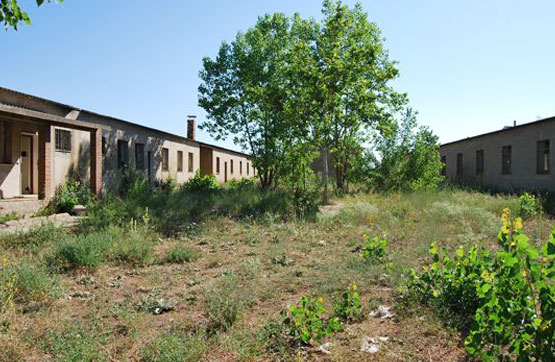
(512, 159)
(43, 143)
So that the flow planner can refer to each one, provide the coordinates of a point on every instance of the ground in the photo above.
(254, 269)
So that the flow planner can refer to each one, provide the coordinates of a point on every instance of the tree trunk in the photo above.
(325, 174)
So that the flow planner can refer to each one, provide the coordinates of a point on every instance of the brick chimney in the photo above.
(191, 127)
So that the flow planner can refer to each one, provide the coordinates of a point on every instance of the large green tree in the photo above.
(12, 15)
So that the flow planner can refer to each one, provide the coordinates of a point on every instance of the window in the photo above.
(444, 168)
(123, 156)
(165, 159)
(248, 166)
(459, 164)
(104, 146)
(506, 160)
(63, 140)
(179, 161)
(544, 158)
(217, 165)
(191, 164)
(241, 168)
(231, 167)
(480, 162)
(5, 142)
(140, 156)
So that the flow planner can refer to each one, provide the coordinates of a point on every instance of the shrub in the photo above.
(34, 284)
(70, 194)
(175, 347)
(529, 204)
(510, 293)
(374, 249)
(182, 254)
(347, 306)
(242, 184)
(133, 248)
(307, 322)
(82, 251)
(201, 183)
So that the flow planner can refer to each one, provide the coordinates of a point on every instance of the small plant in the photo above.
(282, 260)
(9, 217)
(182, 254)
(223, 305)
(134, 249)
(83, 251)
(374, 249)
(201, 183)
(71, 194)
(8, 285)
(348, 306)
(308, 322)
(529, 204)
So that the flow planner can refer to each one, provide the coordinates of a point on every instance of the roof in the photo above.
(150, 129)
(504, 130)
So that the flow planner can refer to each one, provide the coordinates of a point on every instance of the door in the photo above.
(225, 171)
(26, 159)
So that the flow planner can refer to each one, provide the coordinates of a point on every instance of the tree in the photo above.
(405, 159)
(346, 73)
(12, 15)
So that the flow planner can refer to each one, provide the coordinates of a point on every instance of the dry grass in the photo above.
(235, 288)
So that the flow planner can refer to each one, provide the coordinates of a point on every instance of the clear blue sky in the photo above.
(468, 66)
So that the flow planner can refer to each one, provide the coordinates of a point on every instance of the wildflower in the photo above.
(518, 224)
(4, 262)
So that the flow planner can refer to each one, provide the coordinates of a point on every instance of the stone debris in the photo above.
(373, 345)
(79, 210)
(80, 295)
(383, 312)
(325, 348)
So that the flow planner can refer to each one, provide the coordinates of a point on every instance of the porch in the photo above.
(28, 145)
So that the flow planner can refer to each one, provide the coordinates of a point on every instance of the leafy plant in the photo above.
(70, 194)
(201, 183)
(348, 306)
(308, 321)
(374, 249)
(9, 217)
(529, 204)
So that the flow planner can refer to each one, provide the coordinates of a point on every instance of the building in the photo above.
(44, 143)
(512, 159)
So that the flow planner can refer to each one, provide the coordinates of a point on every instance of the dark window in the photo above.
(179, 161)
(217, 165)
(231, 167)
(444, 168)
(5, 142)
(480, 162)
(104, 146)
(248, 168)
(123, 155)
(459, 164)
(241, 168)
(165, 159)
(544, 158)
(63, 140)
(140, 156)
(191, 164)
(506, 160)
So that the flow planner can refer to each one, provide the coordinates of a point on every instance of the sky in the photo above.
(468, 67)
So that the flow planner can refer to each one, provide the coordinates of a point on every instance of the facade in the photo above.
(512, 159)
(44, 143)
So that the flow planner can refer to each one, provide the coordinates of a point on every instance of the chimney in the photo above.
(514, 124)
(191, 127)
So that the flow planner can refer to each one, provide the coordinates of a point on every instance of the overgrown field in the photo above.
(168, 277)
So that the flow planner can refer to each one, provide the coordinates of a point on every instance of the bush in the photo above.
(134, 248)
(374, 249)
(529, 204)
(175, 347)
(242, 184)
(510, 293)
(201, 184)
(70, 194)
(34, 284)
(82, 251)
(182, 254)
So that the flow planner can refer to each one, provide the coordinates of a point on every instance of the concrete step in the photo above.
(21, 206)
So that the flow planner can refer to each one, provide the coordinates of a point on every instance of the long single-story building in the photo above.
(44, 143)
(511, 159)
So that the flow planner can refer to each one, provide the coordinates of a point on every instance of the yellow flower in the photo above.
(524, 273)
(4, 262)
(354, 287)
(505, 229)
(518, 224)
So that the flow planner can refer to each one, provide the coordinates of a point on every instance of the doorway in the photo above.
(26, 159)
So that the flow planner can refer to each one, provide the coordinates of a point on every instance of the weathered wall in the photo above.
(227, 157)
(524, 175)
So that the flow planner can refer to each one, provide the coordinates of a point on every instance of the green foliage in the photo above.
(241, 184)
(175, 346)
(182, 254)
(34, 284)
(307, 322)
(509, 293)
(348, 306)
(12, 15)
(529, 204)
(201, 184)
(223, 305)
(374, 249)
(82, 251)
(70, 194)
(76, 342)
(134, 248)
(34, 239)
(9, 217)
(8, 285)
(405, 159)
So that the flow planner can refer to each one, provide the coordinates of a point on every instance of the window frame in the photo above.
(217, 165)
(165, 159)
(179, 161)
(191, 160)
(123, 154)
(140, 163)
(545, 157)
(460, 164)
(480, 162)
(507, 160)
